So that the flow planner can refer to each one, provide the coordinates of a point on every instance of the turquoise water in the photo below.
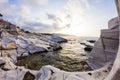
(71, 58)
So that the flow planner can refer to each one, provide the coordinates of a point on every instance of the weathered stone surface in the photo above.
(4, 53)
(55, 38)
(11, 45)
(114, 73)
(52, 73)
(10, 53)
(2, 62)
(8, 63)
(105, 49)
(34, 49)
(21, 51)
(17, 74)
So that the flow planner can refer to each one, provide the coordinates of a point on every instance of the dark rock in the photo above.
(91, 41)
(84, 44)
(58, 48)
(88, 48)
(29, 76)
(34, 49)
(55, 38)
(2, 62)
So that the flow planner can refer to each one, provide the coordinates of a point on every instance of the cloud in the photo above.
(37, 24)
(21, 14)
(39, 27)
(73, 10)
(65, 18)
(51, 16)
(32, 3)
(99, 1)
(3, 2)
(75, 14)
(25, 10)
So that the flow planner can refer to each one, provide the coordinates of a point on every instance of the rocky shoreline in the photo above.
(15, 42)
(88, 47)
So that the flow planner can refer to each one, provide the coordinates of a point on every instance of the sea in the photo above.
(72, 56)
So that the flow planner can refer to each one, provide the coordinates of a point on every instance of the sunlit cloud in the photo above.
(77, 17)
(34, 2)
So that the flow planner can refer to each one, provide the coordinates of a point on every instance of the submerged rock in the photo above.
(88, 48)
(91, 41)
(29, 76)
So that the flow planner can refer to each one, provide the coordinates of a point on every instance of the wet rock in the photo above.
(88, 48)
(34, 49)
(84, 44)
(56, 47)
(55, 38)
(25, 54)
(29, 76)
(91, 41)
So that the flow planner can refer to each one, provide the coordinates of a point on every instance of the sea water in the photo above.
(72, 56)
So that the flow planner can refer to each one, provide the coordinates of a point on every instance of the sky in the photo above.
(74, 17)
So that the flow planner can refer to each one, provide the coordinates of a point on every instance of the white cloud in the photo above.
(25, 10)
(74, 17)
(99, 1)
(35, 2)
(73, 10)
(3, 2)
(66, 18)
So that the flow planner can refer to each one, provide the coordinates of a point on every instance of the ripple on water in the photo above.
(71, 58)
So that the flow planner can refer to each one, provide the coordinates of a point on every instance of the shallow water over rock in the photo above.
(71, 57)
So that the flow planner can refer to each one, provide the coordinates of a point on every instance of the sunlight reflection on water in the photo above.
(71, 58)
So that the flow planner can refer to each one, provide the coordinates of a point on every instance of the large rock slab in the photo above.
(10, 53)
(52, 73)
(9, 65)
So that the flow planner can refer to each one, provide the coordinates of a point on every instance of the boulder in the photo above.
(8, 63)
(16, 74)
(51, 73)
(8, 43)
(88, 48)
(22, 42)
(10, 53)
(11, 45)
(91, 41)
(55, 38)
(4, 53)
(2, 62)
(21, 51)
(35, 49)
(29, 76)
